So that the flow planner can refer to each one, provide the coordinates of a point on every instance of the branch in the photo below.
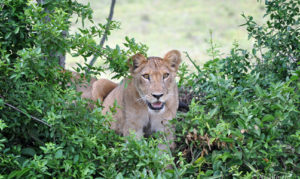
(192, 61)
(111, 12)
(19, 110)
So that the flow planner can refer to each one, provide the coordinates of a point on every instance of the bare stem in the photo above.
(19, 110)
(109, 19)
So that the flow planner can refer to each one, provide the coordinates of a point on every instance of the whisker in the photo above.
(141, 99)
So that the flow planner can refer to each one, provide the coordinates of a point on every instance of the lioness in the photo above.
(147, 100)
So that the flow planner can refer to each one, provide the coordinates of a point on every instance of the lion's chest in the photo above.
(156, 122)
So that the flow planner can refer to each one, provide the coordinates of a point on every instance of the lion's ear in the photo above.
(136, 61)
(173, 58)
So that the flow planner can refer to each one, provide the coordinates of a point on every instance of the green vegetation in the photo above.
(243, 120)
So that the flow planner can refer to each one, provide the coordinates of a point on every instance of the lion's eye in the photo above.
(166, 75)
(146, 76)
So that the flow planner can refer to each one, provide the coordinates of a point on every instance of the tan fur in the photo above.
(134, 94)
(94, 89)
(101, 88)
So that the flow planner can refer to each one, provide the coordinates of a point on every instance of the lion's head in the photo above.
(154, 78)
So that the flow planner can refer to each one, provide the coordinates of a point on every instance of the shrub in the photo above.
(276, 45)
(46, 128)
(245, 122)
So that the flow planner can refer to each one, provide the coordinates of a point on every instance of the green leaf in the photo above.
(258, 90)
(241, 123)
(227, 139)
(59, 154)
(268, 118)
(200, 161)
(28, 151)
(22, 172)
(1, 102)
(18, 173)
(7, 35)
(119, 176)
(13, 174)
(17, 30)
(76, 157)
(239, 155)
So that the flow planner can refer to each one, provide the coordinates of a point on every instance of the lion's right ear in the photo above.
(173, 58)
(136, 61)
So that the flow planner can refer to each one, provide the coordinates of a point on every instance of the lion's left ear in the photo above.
(173, 58)
(136, 61)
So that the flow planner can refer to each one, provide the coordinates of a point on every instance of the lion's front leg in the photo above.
(168, 133)
(135, 124)
(128, 128)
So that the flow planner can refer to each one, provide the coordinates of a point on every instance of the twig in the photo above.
(195, 65)
(109, 19)
(34, 118)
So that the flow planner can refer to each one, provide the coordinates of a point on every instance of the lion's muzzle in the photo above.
(156, 105)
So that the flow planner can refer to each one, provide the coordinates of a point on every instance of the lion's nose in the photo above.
(157, 95)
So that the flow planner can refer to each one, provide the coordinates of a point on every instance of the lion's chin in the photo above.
(156, 106)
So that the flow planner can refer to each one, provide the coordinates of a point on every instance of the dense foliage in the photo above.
(46, 129)
(243, 119)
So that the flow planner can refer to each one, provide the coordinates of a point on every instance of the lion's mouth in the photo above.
(156, 105)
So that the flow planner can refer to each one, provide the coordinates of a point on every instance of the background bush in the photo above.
(243, 119)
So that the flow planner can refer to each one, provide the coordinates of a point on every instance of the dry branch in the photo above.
(109, 19)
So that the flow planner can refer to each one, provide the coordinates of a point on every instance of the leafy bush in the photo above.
(46, 128)
(276, 45)
(245, 123)
(243, 118)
